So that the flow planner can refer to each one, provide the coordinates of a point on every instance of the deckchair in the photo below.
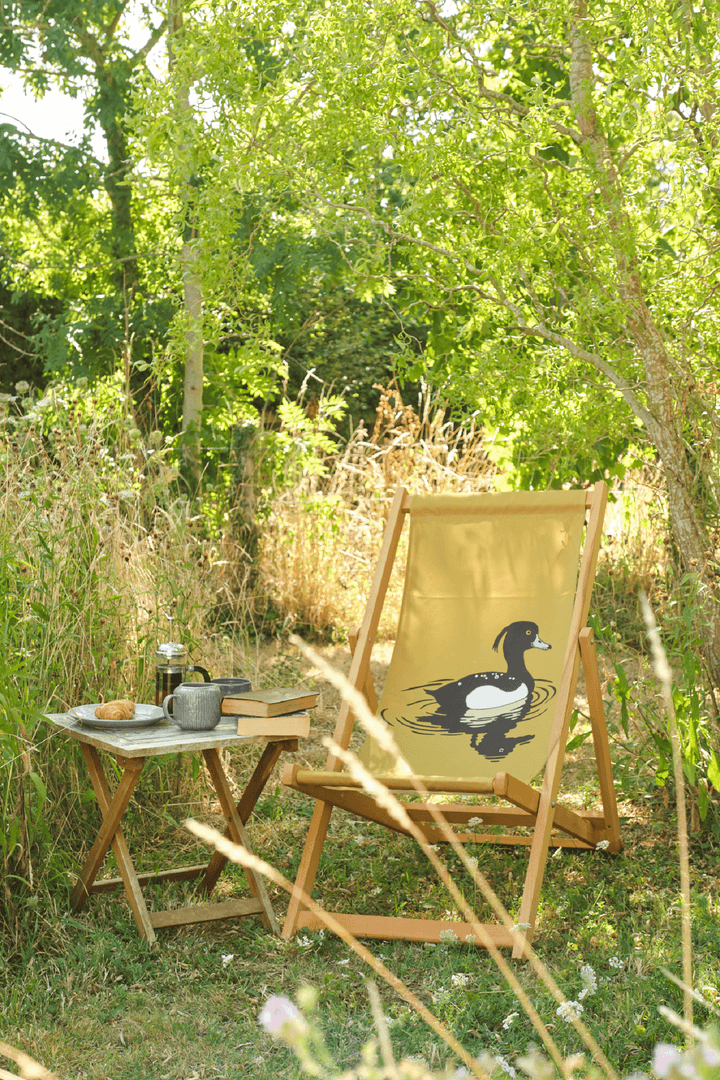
(479, 694)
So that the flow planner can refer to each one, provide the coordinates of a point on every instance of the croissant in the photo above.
(119, 709)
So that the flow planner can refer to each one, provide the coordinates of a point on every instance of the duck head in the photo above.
(520, 636)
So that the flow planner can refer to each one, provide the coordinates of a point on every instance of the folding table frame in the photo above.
(132, 748)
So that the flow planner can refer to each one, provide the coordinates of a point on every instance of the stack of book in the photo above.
(279, 712)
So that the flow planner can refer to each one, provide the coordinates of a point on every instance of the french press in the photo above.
(171, 667)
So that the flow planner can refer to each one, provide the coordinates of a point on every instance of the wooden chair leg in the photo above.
(309, 863)
(600, 738)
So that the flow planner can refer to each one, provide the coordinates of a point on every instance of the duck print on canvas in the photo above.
(489, 706)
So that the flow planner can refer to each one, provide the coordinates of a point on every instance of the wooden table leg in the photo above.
(246, 805)
(238, 834)
(113, 807)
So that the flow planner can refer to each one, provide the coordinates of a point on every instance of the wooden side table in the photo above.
(132, 747)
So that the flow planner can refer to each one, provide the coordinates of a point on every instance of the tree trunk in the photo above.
(192, 293)
(194, 355)
(126, 273)
(663, 402)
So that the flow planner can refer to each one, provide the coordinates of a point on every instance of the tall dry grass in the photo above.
(321, 540)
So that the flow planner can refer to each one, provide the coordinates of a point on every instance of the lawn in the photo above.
(90, 999)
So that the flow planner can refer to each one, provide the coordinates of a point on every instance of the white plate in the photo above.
(145, 715)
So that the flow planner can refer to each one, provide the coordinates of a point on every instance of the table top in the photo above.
(160, 738)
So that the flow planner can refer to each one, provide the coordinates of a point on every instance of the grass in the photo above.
(97, 1002)
(99, 544)
(92, 1000)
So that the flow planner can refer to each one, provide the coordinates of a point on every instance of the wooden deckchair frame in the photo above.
(538, 809)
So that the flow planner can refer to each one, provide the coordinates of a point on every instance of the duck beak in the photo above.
(539, 644)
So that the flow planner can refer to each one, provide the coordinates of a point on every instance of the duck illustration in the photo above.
(493, 692)
(487, 705)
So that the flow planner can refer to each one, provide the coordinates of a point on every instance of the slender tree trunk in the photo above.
(194, 356)
(192, 294)
(663, 402)
(126, 273)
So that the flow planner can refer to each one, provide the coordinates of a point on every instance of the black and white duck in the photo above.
(495, 691)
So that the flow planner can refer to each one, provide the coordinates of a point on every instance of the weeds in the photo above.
(99, 542)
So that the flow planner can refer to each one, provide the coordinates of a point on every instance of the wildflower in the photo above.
(616, 962)
(281, 1017)
(448, 935)
(521, 926)
(602, 845)
(711, 1055)
(474, 821)
(589, 982)
(470, 939)
(569, 1011)
(227, 958)
(665, 1057)
(510, 1019)
(556, 853)
(22, 387)
(505, 1065)
(460, 979)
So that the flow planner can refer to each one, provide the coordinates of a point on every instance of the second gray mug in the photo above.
(195, 706)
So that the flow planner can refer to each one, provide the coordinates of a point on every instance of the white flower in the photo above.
(589, 981)
(602, 845)
(281, 1017)
(448, 935)
(460, 979)
(510, 1019)
(227, 958)
(569, 1011)
(710, 1054)
(22, 387)
(665, 1057)
(474, 821)
(556, 853)
(616, 962)
(521, 926)
(505, 1065)
(470, 939)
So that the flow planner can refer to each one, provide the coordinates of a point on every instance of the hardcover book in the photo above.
(274, 702)
(289, 725)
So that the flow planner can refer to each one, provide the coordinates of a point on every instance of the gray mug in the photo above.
(195, 706)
